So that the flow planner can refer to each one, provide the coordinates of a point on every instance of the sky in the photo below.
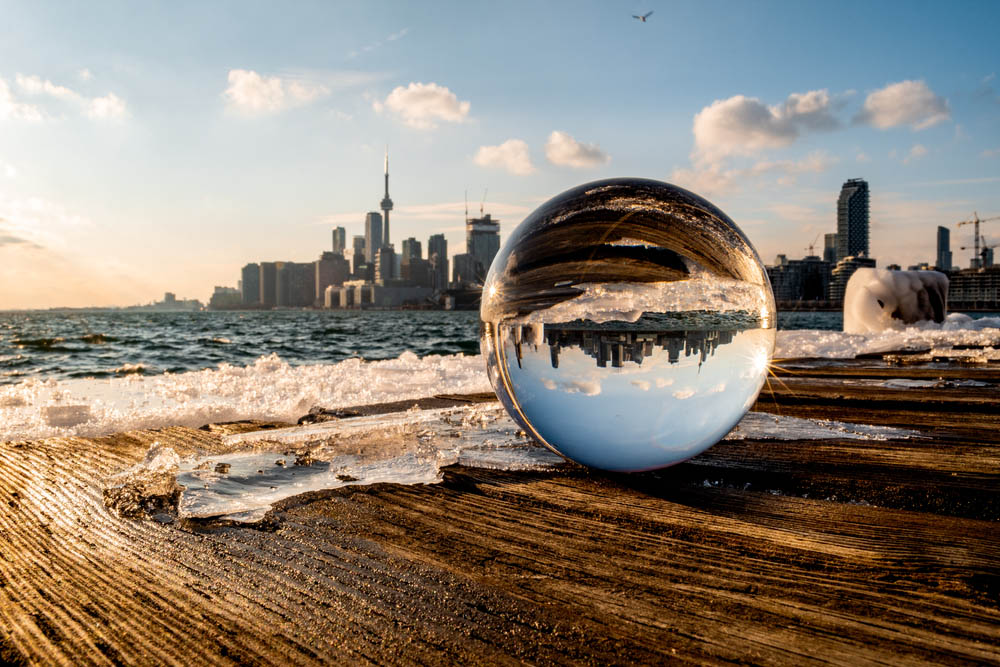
(153, 147)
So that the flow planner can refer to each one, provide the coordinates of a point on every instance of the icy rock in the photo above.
(879, 299)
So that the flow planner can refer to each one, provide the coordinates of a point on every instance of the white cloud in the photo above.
(34, 85)
(109, 107)
(8, 170)
(419, 105)
(85, 74)
(908, 102)
(511, 155)
(11, 109)
(743, 125)
(990, 152)
(249, 92)
(562, 149)
(862, 157)
(917, 152)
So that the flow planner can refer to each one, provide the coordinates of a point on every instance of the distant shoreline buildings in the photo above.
(819, 283)
(371, 274)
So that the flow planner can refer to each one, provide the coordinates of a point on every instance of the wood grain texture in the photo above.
(772, 552)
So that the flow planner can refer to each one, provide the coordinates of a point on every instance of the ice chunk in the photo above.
(879, 299)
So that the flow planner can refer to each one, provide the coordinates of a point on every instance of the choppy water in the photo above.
(104, 344)
(110, 343)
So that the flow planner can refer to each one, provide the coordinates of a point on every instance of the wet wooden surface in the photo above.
(762, 551)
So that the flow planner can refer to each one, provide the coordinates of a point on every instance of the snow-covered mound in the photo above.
(879, 299)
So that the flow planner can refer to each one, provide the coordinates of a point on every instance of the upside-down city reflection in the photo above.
(627, 324)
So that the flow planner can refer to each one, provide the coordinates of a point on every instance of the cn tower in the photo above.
(386, 202)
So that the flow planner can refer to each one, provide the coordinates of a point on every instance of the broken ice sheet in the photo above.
(400, 448)
(406, 448)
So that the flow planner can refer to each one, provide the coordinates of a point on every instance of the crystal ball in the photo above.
(627, 324)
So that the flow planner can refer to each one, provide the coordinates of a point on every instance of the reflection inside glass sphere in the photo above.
(627, 324)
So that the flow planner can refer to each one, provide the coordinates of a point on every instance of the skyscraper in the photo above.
(830, 248)
(437, 255)
(482, 241)
(250, 284)
(943, 262)
(373, 235)
(339, 240)
(411, 250)
(852, 219)
(359, 255)
(386, 202)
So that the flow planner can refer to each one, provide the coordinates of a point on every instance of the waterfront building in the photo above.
(295, 284)
(830, 248)
(358, 258)
(250, 284)
(842, 273)
(852, 219)
(464, 269)
(805, 279)
(417, 272)
(974, 289)
(943, 262)
(385, 263)
(411, 250)
(482, 242)
(269, 283)
(339, 240)
(330, 269)
(437, 255)
(373, 235)
(225, 298)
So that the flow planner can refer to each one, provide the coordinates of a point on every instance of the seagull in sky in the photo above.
(643, 17)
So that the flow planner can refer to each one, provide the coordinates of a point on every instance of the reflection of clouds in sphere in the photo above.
(628, 324)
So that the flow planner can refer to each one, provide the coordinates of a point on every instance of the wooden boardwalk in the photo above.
(763, 551)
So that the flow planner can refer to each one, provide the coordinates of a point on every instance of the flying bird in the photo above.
(643, 17)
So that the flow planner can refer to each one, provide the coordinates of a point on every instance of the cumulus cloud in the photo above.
(917, 152)
(249, 92)
(512, 155)
(109, 107)
(908, 102)
(562, 149)
(420, 105)
(743, 125)
(34, 85)
(11, 109)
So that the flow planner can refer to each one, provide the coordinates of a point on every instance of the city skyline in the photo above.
(159, 148)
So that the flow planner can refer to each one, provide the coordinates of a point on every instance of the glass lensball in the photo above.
(627, 324)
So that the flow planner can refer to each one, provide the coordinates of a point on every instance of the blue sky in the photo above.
(154, 147)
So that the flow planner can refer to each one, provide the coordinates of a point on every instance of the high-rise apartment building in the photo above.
(411, 250)
(482, 242)
(330, 269)
(437, 255)
(943, 262)
(250, 284)
(358, 259)
(830, 248)
(852, 219)
(295, 284)
(385, 264)
(268, 283)
(339, 240)
(373, 235)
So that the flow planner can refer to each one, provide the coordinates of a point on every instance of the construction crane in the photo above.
(811, 247)
(983, 251)
(975, 234)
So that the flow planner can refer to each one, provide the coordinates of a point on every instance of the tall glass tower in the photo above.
(852, 219)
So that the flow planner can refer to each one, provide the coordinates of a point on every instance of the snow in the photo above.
(880, 299)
